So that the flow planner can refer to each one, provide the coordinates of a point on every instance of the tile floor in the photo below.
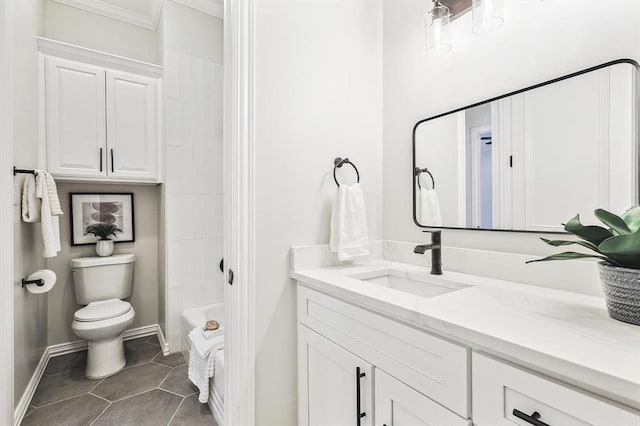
(151, 390)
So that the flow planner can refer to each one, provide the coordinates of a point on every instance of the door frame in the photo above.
(6, 219)
(239, 218)
(476, 146)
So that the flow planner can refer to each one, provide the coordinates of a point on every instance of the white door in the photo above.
(75, 118)
(397, 404)
(329, 384)
(131, 126)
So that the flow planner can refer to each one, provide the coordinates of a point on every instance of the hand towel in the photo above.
(349, 234)
(30, 203)
(50, 223)
(54, 200)
(429, 208)
(202, 368)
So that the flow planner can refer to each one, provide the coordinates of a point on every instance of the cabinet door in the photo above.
(75, 118)
(131, 126)
(396, 404)
(328, 384)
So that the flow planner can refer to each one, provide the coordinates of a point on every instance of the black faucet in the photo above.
(436, 251)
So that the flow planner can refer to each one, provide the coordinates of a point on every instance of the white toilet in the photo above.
(101, 283)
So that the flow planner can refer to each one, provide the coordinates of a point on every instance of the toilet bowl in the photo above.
(101, 284)
(102, 325)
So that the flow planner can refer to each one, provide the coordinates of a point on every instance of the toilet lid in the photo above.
(105, 309)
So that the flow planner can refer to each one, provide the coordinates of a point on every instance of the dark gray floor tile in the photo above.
(193, 413)
(80, 411)
(172, 360)
(66, 362)
(29, 410)
(138, 351)
(132, 381)
(62, 386)
(150, 408)
(178, 382)
(153, 340)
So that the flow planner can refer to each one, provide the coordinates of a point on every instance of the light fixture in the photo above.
(487, 15)
(436, 26)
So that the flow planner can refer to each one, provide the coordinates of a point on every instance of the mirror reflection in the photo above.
(528, 160)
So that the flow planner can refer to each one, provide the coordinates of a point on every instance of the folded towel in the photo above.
(50, 222)
(429, 208)
(208, 334)
(202, 368)
(30, 203)
(349, 234)
(198, 341)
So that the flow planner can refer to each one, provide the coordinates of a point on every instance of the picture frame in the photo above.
(88, 208)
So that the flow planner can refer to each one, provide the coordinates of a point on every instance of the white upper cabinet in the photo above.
(131, 126)
(100, 122)
(75, 118)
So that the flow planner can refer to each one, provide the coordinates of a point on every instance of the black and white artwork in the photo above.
(109, 208)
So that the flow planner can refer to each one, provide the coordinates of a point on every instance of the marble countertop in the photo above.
(565, 335)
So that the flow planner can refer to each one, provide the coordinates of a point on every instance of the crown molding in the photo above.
(82, 54)
(210, 7)
(148, 21)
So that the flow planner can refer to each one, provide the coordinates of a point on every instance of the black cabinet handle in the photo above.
(533, 419)
(100, 159)
(111, 160)
(359, 414)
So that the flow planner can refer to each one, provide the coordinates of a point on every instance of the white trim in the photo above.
(60, 49)
(239, 209)
(462, 171)
(148, 21)
(25, 400)
(476, 147)
(210, 7)
(7, 284)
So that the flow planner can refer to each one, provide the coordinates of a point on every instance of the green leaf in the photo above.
(613, 221)
(593, 234)
(560, 243)
(632, 218)
(568, 255)
(623, 249)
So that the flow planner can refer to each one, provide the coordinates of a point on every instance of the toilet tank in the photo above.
(102, 278)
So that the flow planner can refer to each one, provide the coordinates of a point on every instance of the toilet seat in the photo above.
(102, 310)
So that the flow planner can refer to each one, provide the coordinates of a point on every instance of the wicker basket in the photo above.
(622, 292)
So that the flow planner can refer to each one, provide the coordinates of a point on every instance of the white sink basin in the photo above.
(413, 283)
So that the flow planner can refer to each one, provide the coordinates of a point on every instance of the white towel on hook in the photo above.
(50, 222)
(202, 368)
(429, 208)
(349, 233)
(31, 204)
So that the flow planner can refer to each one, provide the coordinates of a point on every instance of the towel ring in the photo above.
(339, 162)
(417, 173)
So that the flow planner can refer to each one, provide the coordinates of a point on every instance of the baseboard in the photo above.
(25, 400)
(71, 347)
(217, 405)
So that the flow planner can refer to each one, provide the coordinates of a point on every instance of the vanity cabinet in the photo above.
(100, 124)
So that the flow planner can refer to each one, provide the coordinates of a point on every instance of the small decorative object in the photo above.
(89, 209)
(618, 247)
(211, 325)
(102, 231)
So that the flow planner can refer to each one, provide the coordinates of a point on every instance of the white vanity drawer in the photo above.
(433, 366)
(499, 389)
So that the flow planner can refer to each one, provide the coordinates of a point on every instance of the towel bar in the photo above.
(417, 172)
(338, 163)
(24, 171)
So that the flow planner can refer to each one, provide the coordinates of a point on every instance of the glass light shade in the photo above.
(436, 27)
(488, 15)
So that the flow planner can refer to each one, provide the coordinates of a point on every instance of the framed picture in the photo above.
(91, 208)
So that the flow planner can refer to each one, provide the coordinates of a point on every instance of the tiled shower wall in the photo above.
(193, 188)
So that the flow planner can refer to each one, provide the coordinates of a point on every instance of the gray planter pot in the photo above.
(622, 291)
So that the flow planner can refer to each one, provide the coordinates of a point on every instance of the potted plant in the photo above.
(102, 231)
(618, 248)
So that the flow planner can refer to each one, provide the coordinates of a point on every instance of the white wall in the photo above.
(318, 96)
(193, 183)
(538, 41)
(30, 310)
(94, 31)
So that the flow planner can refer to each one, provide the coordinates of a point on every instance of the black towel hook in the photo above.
(417, 173)
(339, 162)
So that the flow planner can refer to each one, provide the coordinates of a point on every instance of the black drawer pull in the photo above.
(533, 419)
(359, 414)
